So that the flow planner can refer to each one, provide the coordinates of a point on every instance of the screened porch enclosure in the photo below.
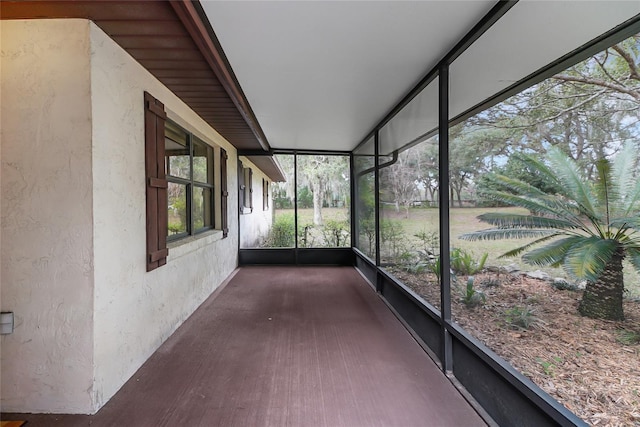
(377, 213)
(422, 178)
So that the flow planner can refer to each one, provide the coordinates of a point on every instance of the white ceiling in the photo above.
(322, 74)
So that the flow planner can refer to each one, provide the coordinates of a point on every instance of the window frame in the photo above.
(191, 184)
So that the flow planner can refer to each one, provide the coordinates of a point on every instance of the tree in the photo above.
(588, 228)
(323, 175)
(399, 179)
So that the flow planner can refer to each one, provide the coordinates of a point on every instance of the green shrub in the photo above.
(392, 239)
(336, 233)
(472, 297)
(282, 233)
(520, 317)
(463, 262)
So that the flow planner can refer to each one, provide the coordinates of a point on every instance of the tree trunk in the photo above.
(602, 299)
(317, 206)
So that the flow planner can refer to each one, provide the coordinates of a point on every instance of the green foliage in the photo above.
(628, 337)
(548, 367)
(519, 317)
(282, 233)
(368, 236)
(175, 228)
(516, 168)
(392, 239)
(471, 296)
(305, 235)
(336, 233)
(588, 226)
(463, 262)
(430, 242)
(305, 198)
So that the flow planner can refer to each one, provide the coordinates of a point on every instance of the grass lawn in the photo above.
(463, 220)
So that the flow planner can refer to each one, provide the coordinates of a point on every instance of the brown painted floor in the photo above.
(285, 346)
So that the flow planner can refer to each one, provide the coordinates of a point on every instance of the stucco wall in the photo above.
(46, 222)
(136, 311)
(255, 226)
(73, 220)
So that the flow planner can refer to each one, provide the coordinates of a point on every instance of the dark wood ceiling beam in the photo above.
(210, 48)
(165, 54)
(148, 28)
(94, 10)
(174, 41)
(170, 64)
(206, 82)
(181, 73)
(154, 42)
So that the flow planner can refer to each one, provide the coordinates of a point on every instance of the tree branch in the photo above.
(633, 70)
(597, 82)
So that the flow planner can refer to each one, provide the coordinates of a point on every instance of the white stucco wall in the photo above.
(46, 222)
(255, 226)
(136, 311)
(73, 220)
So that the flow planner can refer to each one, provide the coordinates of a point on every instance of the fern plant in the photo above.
(587, 226)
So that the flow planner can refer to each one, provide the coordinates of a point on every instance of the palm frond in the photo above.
(519, 250)
(508, 220)
(605, 192)
(571, 180)
(544, 173)
(514, 184)
(628, 222)
(632, 199)
(552, 253)
(623, 173)
(634, 257)
(533, 205)
(505, 233)
(588, 258)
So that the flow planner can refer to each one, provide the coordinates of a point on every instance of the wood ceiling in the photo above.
(175, 42)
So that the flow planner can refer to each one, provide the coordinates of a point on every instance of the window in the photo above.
(189, 170)
(265, 194)
(245, 186)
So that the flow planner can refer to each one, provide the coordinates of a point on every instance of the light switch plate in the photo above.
(6, 322)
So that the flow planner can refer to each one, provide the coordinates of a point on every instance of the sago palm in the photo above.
(587, 226)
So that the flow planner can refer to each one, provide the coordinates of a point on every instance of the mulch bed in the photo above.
(590, 366)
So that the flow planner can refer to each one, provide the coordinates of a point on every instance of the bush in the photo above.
(392, 239)
(336, 233)
(463, 262)
(520, 318)
(471, 297)
(282, 233)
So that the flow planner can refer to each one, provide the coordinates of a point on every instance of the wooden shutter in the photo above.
(224, 193)
(154, 119)
(250, 189)
(241, 187)
(265, 194)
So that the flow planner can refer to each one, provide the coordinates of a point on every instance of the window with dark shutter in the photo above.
(154, 118)
(224, 193)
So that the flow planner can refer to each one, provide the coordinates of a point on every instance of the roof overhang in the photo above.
(174, 41)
